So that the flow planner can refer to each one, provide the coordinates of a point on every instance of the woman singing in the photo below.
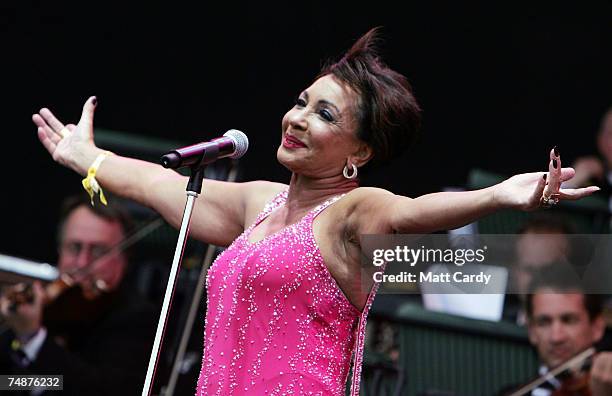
(285, 305)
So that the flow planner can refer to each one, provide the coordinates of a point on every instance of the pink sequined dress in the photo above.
(276, 322)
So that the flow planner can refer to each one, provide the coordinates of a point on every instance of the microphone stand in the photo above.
(168, 390)
(194, 187)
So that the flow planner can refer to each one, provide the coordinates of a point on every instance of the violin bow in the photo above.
(573, 361)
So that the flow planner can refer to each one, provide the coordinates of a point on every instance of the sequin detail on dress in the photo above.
(277, 322)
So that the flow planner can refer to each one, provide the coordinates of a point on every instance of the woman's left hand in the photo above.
(529, 191)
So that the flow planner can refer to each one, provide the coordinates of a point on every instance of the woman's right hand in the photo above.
(70, 145)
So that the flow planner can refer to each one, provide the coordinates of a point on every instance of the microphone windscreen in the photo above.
(241, 142)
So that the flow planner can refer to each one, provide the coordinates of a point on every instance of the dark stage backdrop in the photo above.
(500, 84)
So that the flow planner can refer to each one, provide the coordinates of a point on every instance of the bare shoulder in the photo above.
(257, 193)
(370, 193)
(370, 198)
(367, 209)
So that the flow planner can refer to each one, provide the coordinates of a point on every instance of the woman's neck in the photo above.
(305, 192)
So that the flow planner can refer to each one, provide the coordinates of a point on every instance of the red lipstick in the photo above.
(291, 142)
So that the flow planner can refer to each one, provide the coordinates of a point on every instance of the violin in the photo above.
(23, 293)
(573, 375)
(575, 385)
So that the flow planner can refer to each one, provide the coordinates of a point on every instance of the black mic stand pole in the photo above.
(194, 187)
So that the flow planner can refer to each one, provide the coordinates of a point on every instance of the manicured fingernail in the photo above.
(556, 150)
(94, 101)
(555, 163)
(544, 176)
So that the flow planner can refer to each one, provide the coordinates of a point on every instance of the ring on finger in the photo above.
(548, 201)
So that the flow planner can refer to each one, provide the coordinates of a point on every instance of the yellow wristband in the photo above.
(90, 184)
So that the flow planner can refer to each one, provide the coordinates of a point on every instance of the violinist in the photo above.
(563, 321)
(97, 334)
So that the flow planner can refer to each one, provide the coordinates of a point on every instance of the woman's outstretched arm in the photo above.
(219, 213)
(448, 210)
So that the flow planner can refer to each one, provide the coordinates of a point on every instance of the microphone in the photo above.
(233, 144)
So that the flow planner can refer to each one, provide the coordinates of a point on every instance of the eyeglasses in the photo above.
(75, 248)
